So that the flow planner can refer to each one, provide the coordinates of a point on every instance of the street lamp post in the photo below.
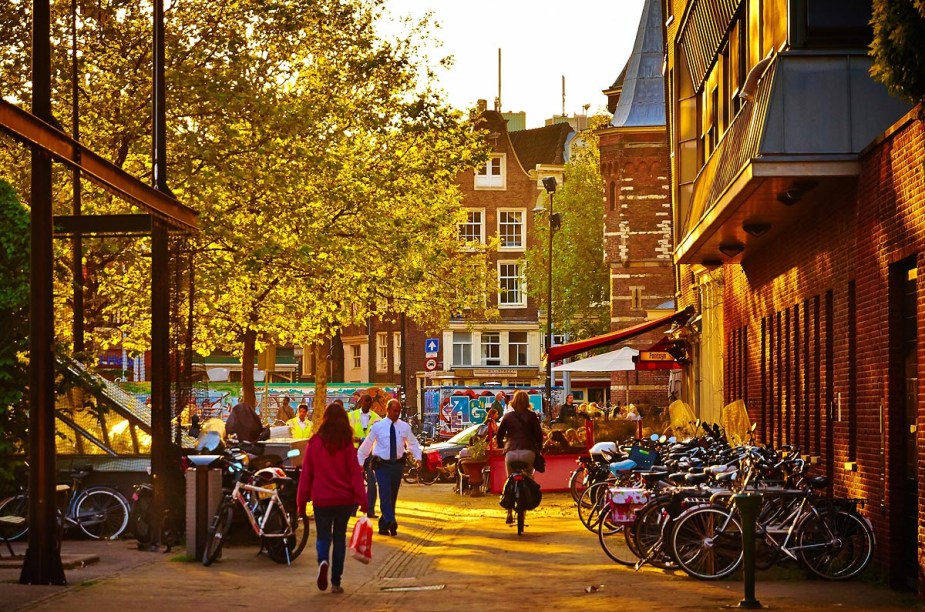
(549, 183)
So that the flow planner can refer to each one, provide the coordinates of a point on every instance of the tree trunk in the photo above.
(248, 392)
(321, 380)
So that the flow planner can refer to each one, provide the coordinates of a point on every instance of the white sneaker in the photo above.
(323, 576)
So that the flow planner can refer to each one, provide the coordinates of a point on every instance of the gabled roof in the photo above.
(545, 145)
(642, 102)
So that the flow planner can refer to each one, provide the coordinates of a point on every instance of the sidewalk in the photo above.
(451, 552)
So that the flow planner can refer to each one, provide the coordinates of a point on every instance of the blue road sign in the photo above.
(431, 347)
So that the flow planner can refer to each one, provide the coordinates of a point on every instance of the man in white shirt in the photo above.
(387, 442)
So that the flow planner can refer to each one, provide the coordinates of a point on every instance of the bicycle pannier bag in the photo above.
(625, 502)
(532, 494)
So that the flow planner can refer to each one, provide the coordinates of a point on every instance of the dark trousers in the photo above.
(388, 475)
(371, 492)
(331, 528)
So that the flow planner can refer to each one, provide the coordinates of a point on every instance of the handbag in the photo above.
(361, 542)
(539, 462)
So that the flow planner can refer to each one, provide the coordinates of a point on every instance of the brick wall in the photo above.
(811, 331)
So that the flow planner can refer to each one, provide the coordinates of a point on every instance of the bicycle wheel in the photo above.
(101, 513)
(613, 538)
(707, 542)
(280, 547)
(139, 519)
(218, 532)
(427, 478)
(590, 504)
(410, 475)
(14, 517)
(577, 483)
(647, 537)
(835, 544)
(518, 506)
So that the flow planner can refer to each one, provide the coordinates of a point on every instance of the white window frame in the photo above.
(522, 241)
(396, 356)
(462, 339)
(490, 348)
(382, 352)
(493, 174)
(467, 224)
(356, 353)
(524, 351)
(520, 300)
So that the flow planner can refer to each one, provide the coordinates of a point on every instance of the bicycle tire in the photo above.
(429, 479)
(518, 508)
(576, 482)
(647, 537)
(614, 541)
(590, 505)
(410, 475)
(280, 548)
(15, 507)
(101, 513)
(218, 533)
(835, 544)
(139, 519)
(706, 541)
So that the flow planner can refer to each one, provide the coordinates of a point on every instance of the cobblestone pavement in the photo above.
(451, 553)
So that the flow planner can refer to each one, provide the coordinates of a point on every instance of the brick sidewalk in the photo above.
(452, 551)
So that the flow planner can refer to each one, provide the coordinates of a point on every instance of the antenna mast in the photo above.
(498, 99)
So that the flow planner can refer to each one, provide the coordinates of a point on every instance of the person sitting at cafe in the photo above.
(556, 442)
(300, 426)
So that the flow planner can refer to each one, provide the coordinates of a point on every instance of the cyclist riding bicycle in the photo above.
(520, 435)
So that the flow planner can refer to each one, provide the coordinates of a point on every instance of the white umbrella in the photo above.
(615, 361)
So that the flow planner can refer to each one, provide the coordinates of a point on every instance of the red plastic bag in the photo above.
(361, 542)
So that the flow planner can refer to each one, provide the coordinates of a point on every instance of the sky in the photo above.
(588, 42)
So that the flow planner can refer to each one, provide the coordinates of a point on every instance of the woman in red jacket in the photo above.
(333, 481)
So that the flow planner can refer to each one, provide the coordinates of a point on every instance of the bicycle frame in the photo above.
(258, 525)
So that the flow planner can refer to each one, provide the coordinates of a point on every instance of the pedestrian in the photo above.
(499, 402)
(300, 426)
(332, 480)
(388, 441)
(568, 410)
(244, 423)
(361, 420)
(284, 412)
(521, 435)
(491, 427)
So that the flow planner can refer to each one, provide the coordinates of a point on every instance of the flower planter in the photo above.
(472, 468)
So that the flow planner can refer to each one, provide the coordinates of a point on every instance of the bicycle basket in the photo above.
(644, 458)
(624, 502)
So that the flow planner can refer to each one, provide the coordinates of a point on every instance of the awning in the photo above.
(562, 351)
(615, 361)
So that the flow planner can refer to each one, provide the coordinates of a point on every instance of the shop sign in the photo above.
(494, 373)
(655, 356)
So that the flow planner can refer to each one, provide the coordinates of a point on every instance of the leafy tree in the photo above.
(14, 333)
(898, 47)
(580, 301)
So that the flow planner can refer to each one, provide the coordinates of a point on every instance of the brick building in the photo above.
(797, 185)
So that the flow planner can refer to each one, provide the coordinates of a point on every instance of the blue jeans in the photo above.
(331, 527)
(371, 492)
(388, 475)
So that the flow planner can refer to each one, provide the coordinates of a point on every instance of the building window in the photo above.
(510, 279)
(636, 298)
(473, 230)
(382, 352)
(511, 228)
(491, 175)
(462, 348)
(517, 348)
(613, 196)
(491, 349)
(396, 343)
(355, 353)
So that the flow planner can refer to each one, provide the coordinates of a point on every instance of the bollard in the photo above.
(748, 505)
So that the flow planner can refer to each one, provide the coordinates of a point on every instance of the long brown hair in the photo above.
(521, 401)
(335, 431)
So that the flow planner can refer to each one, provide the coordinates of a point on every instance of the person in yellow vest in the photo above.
(300, 426)
(361, 420)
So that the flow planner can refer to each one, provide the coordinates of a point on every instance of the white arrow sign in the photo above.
(431, 347)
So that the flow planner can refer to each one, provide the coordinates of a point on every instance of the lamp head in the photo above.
(549, 184)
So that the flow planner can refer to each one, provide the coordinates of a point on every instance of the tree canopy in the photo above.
(898, 47)
(321, 159)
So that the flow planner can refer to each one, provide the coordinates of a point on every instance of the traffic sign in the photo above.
(655, 356)
(430, 365)
(431, 347)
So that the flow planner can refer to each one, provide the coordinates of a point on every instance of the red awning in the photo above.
(562, 351)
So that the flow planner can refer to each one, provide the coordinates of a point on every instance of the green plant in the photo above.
(478, 448)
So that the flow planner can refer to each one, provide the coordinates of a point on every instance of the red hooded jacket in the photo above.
(330, 479)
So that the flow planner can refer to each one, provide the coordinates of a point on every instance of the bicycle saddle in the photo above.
(697, 478)
(817, 482)
(622, 466)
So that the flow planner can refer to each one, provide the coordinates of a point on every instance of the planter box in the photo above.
(554, 479)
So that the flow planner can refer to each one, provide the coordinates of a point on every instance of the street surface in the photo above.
(454, 553)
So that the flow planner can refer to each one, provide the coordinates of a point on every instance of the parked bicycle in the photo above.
(100, 511)
(282, 529)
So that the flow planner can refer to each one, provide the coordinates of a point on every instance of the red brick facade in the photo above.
(815, 340)
(637, 243)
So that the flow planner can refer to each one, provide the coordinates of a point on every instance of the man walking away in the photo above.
(361, 420)
(388, 441)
